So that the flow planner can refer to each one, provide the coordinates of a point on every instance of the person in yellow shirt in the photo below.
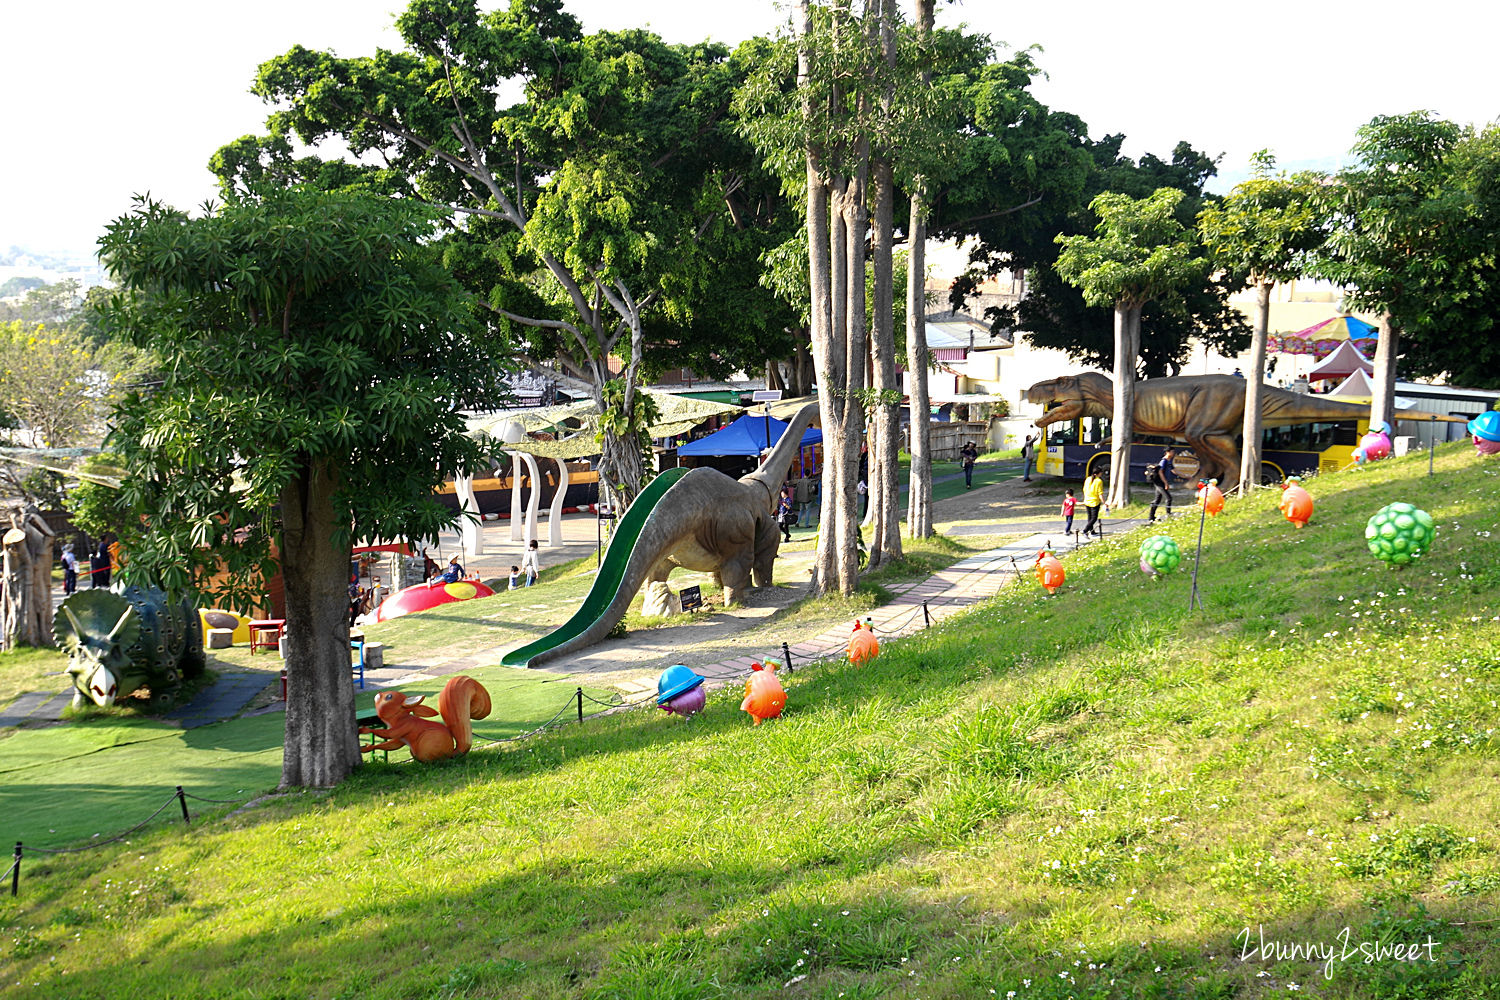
(1093, 499)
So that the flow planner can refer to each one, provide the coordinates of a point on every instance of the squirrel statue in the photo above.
(408, 722)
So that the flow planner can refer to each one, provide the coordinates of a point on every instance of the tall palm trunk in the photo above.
(1122, 425)
(322, 745)
(885, 442)
(1383, 399)
(919, 488)
(1254, 378)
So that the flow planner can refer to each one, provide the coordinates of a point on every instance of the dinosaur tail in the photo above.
(462, 699)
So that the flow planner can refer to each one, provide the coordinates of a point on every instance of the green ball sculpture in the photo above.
(1399, 533)
(1160, 554)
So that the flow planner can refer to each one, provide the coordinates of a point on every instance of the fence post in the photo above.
(786, 656)
(926, 616)
(15, 872)
(580, 704)
(182, 801)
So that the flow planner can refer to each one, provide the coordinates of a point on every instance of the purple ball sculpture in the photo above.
(680, 691)
(687, 704)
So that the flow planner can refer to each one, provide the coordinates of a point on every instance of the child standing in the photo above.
(530, 564)
(1070, 503)
(515, 577)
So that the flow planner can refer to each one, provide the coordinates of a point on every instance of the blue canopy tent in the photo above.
(746, 436)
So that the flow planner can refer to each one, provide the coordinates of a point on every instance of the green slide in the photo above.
(607, 583)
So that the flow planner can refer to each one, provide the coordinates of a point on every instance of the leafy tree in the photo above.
(56, 386)
(1140, 252)
(838, 134)
(322, 358)
(1266, 227)
(1053, 313)
(585, 201)
(53, 304)
(1412, 236)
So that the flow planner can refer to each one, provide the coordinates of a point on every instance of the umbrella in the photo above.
(1321, 339)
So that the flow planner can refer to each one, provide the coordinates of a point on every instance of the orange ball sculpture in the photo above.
(1049, 571)
(1211, 498)
(408, 722)
(1296, 503)
(764, 695)
(863, 646)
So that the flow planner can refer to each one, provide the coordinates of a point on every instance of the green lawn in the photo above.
(99, 775)
(1098, 794)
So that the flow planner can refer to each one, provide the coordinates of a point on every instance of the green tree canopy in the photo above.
(1413, 229)
(320, 360)
(1139, 251)
(589, 172)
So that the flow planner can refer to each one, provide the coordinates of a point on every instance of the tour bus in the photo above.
(1075, 448)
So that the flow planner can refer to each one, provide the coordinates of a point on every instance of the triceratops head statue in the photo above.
(97, 637)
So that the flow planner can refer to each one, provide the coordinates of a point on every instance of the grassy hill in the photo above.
(1098, 794)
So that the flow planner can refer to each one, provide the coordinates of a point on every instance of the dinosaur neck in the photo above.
(773, 472)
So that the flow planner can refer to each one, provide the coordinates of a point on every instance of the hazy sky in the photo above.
(107, 99)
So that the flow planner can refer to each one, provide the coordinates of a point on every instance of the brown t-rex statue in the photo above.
(1207, 411)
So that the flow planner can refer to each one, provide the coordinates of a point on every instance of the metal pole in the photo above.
(786, 656)
(1431, 447)
(598, 537)
(182, 801)
(15, 872)
(580, 704)
(1195, 597)
(768, 426)
(926, 616)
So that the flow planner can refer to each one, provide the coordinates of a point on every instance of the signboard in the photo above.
(766, 396)
(692, 598)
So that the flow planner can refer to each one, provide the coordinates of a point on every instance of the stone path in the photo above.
(228, 696)
(36, 706)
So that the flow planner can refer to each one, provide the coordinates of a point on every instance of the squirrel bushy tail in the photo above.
(462, 699)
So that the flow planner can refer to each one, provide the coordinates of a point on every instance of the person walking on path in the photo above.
(70, 569)
(786, 514)
(967, 456)
(1028, 456)
(530, 564)
(803, 494)
(1070, 504)
(1093, 499)
(1160, 476)
(101, 564)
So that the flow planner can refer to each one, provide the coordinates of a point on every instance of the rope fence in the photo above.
(575, 704)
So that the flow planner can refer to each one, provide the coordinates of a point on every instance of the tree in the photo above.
(1140, 252)
(1412, 234)
(584, 202)
(1266, 227)
(56, 386)
(1053, 313)
(919, 479)
(321, 358)
(829, 132)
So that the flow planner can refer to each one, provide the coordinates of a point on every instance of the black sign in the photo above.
(692, 598)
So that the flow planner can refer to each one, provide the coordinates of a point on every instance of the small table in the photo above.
(265, 633)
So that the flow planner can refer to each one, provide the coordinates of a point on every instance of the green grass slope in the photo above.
(1098, 794)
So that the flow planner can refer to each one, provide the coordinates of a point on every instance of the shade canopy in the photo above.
(1344, 361)
(1321, 339)
(746, 436)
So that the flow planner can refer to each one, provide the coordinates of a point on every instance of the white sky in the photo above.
(106, 99)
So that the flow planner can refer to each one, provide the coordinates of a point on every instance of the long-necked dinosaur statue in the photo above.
(709, 523)
(1207, 411)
